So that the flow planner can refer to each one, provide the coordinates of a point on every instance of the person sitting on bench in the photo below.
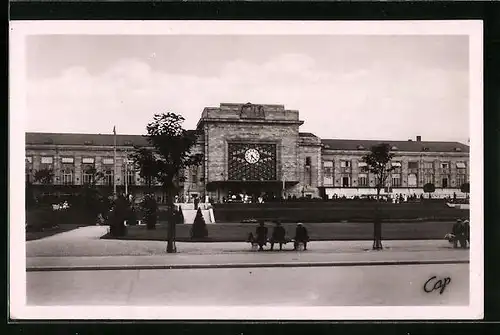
(301, 236)
(278, 235)
(261, 232)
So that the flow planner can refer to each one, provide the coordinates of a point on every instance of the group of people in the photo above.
(278, 236)
(460, 234)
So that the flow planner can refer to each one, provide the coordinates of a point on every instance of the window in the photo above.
(131, 177)
(412, 165)
(67, 176)
(461, 179)
(346, 181)
(67, 160)
(362, 179)
(328, 173)
(88, 160)
(412, 180)
(428, 165)
(396, 164)
(108, 161)
(47, 159)
(88, 173)
(445, 182)
(445, 166)
(461, 165)
(345, 164)
(429, 178)
(308, 161)
(194, 175)
(88, 177)
(108, 177)
(396, 180)
(362, 166)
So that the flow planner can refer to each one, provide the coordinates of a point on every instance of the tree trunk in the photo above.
(171, 224)
(377, 243)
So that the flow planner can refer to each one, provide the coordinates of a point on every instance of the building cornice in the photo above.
(249, 121)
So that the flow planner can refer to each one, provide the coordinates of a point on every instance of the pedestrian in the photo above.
(278, 235)
(458, 230)
(301, 236)
(377, 233)
(261, 233)
(467, 232)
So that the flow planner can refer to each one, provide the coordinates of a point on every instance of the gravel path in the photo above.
(86, 241)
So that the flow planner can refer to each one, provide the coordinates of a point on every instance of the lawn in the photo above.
(36, 235)
(222, 232)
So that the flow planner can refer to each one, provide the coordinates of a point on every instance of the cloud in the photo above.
(391, 100)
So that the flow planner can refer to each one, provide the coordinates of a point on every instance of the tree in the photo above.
(92, 200)
(172, 152)
(199, 229)
(377, 163)
(44, 176)
(429, 188)
(145, 161)
(95, 177)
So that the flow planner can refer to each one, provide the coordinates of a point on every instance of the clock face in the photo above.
(252, 156)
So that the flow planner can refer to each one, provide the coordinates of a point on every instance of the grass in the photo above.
(36, 235)
(226, 232)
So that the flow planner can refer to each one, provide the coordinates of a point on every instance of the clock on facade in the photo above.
(252, 156)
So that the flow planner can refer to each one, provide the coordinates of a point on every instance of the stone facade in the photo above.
(300, 161)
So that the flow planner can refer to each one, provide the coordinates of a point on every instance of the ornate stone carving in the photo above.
(250, 111)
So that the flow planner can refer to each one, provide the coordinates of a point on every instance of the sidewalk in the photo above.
(234, 255)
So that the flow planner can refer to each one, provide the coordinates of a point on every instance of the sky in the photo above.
(344, 86)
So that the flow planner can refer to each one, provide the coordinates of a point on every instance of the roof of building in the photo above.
(409, 146)
(334, 144)
(307, 135)
(85, 139)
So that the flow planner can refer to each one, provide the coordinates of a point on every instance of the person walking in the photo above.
(459, 231)
(278, 235)
(301, 236)
(261, 233)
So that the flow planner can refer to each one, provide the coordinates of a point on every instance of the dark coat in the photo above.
(261, 234)
(458, 229)
(279, 233)
(301, 234)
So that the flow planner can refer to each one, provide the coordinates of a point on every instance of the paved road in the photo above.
(316, 286)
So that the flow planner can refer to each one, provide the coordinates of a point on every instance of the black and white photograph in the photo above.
(246, 170)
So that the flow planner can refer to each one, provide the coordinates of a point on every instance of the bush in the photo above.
(149, 207)
(199, 229)
(40, 219)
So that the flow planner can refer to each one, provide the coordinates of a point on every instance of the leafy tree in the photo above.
(429, 188)
(95, 177)
(172, 152)
(377, 162)
(44, 176)
(199, 229)
(146, 162)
